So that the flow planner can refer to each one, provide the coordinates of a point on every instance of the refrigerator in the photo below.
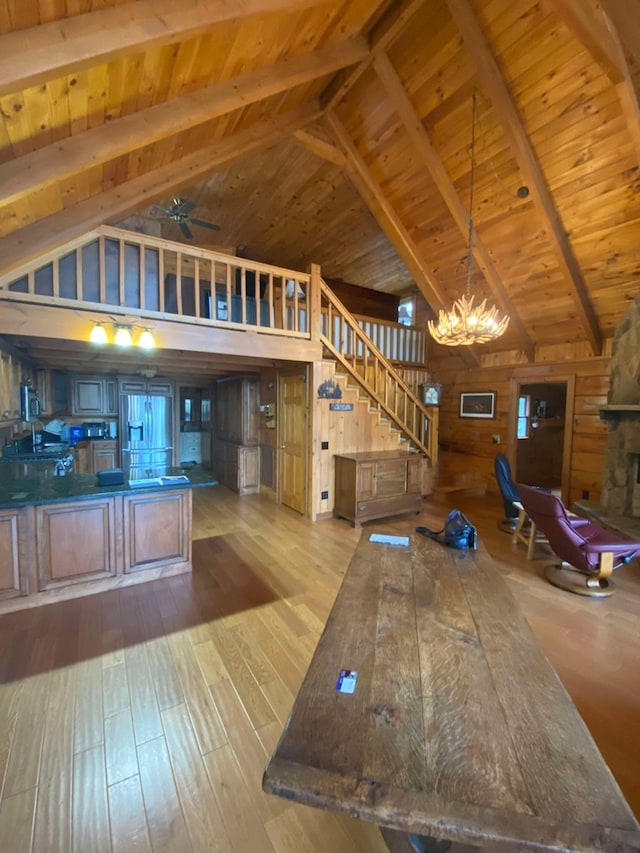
(146, 436)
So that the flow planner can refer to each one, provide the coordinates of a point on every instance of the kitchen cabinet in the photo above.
(75, 542)
(377, 484)
(157, 531)
(236, 451)
(152, 387)
(96, 455)
(94, 396)
(13, 542)
(236, 410)
(237, 466)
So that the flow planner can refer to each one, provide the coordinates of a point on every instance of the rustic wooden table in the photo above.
(458, 728)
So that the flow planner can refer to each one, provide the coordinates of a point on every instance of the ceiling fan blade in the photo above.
(204, 224)
(185, 230)
(182, 208)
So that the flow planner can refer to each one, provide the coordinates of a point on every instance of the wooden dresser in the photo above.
(377, 484)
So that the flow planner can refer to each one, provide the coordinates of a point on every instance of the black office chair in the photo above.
(509, 492)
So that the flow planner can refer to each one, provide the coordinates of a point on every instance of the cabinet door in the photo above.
(104, 455)
(133, 386)
(250, 418)
(160, 389)
(365, 487)
(111, 397)
(13, 574)
(82, 457)
(157, 529)
(88, 396)
(249, 469)
(414, 475)
(75, 542)
(43, 389)
(390, 477)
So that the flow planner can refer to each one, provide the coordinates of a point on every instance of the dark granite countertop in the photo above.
(34, 489)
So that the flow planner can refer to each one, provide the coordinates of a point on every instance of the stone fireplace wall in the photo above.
(620, 487)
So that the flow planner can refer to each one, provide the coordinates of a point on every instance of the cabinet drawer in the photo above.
(383, 507)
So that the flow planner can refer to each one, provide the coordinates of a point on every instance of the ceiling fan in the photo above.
(179, 211)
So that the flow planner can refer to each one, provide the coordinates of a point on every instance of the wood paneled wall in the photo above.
(467, 443)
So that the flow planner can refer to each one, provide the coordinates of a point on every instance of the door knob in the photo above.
(282, 446)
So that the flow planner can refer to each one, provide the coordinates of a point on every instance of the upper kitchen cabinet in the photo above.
(94, 395)
(150, 387)
(52, 387)
(237, 410)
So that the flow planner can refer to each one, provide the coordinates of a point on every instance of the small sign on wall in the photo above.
(341, 407)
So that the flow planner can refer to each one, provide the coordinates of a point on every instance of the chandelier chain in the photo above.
(471, 182)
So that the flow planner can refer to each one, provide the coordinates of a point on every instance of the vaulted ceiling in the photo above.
(339, 132)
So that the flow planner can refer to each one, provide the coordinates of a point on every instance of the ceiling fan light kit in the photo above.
(467, 324)
(179, 211)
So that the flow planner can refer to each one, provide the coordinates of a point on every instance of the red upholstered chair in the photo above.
(589, 553)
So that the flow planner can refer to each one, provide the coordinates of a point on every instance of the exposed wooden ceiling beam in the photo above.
(124, 199)
(496, 89)
(320, 147)
(69, 157)
(586, 22)
(424, 148)
(389, 221)
(624, 27)
(382, 37)
(33, 56)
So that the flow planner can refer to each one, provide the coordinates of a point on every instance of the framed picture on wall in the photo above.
(478, 404)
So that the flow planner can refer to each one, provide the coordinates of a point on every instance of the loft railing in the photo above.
(398, 343)
(347, 342)
(122, 272)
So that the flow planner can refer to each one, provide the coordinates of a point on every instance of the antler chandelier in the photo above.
(466, 323)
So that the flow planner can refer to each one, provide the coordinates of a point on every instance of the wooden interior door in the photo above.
(292, 457)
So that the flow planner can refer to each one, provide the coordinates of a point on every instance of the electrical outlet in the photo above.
(324, 496)
(585, 494)
(324, 445)
(495, 438)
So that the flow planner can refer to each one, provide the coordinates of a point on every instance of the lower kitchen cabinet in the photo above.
(68, 548)
(237, 466)
(95, 455)
(76, 541)
(190, 447)
(13, 543)
(377, 485)
(157, 530)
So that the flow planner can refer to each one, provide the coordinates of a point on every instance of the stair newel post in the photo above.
(314, 302)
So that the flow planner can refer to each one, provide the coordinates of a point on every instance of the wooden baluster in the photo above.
(142, 276)
(213, 309)
(122, 298)
(56, 278)
(179, 283)
(272, 315)
(229, 313)
(79, 279)
(102, 274)
(243, 294)
(196, 287)
(161, 279)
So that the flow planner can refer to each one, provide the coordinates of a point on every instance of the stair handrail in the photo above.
(430, 448)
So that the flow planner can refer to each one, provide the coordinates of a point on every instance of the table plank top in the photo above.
(459, 727)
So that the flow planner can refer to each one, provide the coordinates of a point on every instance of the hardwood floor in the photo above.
(142, 719)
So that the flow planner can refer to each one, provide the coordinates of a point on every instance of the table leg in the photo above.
(427, 844)
(402, 842)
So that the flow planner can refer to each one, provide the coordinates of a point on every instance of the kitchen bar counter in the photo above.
(37, 489)
(64, 537)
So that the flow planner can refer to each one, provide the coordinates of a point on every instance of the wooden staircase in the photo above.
(384, 388)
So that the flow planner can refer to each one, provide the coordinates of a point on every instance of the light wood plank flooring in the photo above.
(142, 719)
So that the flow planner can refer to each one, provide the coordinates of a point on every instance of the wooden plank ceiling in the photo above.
(339, 132)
